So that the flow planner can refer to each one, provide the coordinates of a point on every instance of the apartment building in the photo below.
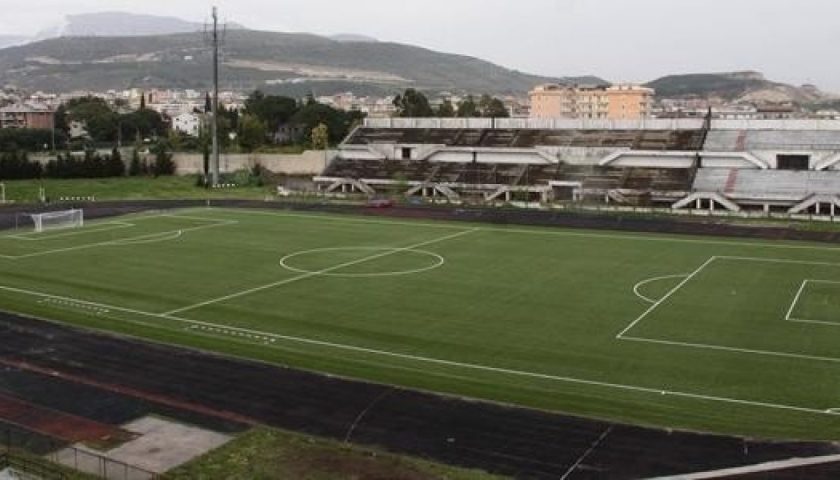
(27, 115)
(618, 102)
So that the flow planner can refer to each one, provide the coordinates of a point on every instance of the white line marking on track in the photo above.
(319, 272)
(651, 280)
(588, 452)
(666, 297)
(364, 412)
(436, 361)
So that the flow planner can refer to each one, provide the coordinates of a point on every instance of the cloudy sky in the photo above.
(620, 40)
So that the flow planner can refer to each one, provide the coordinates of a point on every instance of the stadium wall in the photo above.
(310, 162)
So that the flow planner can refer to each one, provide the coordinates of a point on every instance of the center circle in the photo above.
(339, 259)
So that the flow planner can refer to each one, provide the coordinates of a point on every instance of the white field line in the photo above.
(789, 316)
(218, 223)
(535, 231)
(766, 467)
(435, 361)
(319, 272)
(666, 297)
(780, 260)
(733, 349)
(643, 283)
(39, 237)
(796, 300)
(162, 237)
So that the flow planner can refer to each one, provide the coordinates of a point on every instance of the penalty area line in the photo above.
(436, 361)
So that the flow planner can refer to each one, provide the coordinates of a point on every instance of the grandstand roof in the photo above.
(685, 140)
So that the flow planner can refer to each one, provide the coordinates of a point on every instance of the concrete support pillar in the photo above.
(767, 208)
(818, 208)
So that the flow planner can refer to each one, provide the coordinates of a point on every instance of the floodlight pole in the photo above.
(215, 125)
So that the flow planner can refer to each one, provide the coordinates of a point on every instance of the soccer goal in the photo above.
(58, 220)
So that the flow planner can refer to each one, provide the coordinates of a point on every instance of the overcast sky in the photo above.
(620, 40)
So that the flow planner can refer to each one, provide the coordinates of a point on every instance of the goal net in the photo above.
(58, 220)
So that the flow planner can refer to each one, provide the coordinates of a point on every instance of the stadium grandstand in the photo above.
(768, 166)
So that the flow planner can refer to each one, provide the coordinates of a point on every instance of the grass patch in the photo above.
(265, 453)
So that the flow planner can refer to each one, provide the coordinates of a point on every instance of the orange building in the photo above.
(617, 102)
(27, 116)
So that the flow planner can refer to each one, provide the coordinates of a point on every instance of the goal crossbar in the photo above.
(58, 220)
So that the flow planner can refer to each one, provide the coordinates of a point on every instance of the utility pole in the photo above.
(215, 125)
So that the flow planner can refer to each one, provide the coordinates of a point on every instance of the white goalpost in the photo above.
(58, 220)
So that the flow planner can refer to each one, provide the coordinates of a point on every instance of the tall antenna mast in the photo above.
(215, 125)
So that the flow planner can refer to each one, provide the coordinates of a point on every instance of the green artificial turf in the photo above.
(678, 332)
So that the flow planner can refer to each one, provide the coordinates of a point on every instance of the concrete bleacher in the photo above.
(767, 185)
(657, 140)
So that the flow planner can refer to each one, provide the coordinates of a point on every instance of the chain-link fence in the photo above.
(40, 456)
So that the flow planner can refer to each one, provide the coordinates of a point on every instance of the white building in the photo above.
(187, 123)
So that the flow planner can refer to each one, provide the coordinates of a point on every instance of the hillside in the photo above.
(747, 87)
(280, 62)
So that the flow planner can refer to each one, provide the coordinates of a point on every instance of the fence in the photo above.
(25, 467)
(44, 457)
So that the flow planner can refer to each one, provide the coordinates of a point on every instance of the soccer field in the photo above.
(709, 334)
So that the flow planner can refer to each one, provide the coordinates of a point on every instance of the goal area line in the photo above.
(625, 334)
(256, 338)
(169, 234)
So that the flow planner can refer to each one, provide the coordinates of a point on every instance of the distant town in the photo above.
(183, 112)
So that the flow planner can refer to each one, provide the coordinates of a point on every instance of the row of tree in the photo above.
(18, 166)
(413, 103)
(30, 139)
(104, 124)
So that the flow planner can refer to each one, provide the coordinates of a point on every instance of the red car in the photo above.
(380, 203)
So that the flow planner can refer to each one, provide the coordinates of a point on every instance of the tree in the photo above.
(467, 107)
(338, 122)
(135, 168)
(273, 110)
(320, 137)
(101, 121)
(413, 104)
(163, 160)
(144, 123)
(252, 133)
(492, 107)
(143, 101)
(116, 167)
(446, 109)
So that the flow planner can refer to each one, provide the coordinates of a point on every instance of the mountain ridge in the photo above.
(284, 62)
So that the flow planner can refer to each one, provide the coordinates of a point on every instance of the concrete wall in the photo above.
(309, 162)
